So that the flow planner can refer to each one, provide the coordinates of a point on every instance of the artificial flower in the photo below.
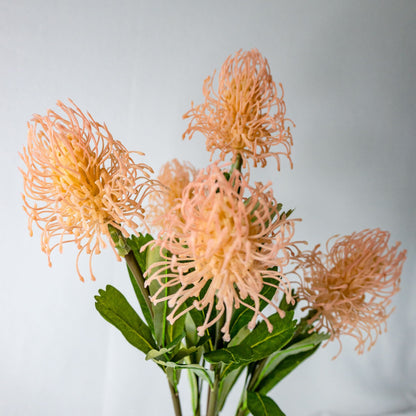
(79, 180)
(245, 115)
(350, 287)
(174, 176)
(227, 239)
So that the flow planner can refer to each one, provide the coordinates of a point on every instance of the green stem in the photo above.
(198, 404)
(175, 399)
(237, 164)
(138, 275)
(255, 375)
(242, 405)
(124, 250)
(213, 394)
(252, 384)
(241, 411)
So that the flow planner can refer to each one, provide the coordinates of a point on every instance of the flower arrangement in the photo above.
(220, 279)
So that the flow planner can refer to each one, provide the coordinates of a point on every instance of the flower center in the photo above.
(79, 180)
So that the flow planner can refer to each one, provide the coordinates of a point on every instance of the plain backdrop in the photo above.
(348, 70)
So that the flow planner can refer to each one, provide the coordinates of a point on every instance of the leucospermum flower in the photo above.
(350, 288)
(79, 180)
(246, 114)
(174, 176)
(226, 239)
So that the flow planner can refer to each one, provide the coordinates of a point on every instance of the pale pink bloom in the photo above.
(224, 236)
(245, 115)
(174, 176)
(350, 288)
(79, 180)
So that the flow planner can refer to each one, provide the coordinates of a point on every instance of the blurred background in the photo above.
(348, 70)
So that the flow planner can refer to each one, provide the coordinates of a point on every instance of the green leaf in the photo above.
(114, 308)
(284, 306)
(140, 297)
(119, 241)
(182, 353)
(243, 315)
(193, 382)
(237, 339)
(282, 370)
(173, 375)
(226, 384)
(135, 244)
(198, 316)
(153, 354)
(263, 343)
(240, 354)
(175, 331)
(160, 310)
(260, 405)
(165, 332)
(301, 346)
(191, 334)
(259, 344)
(200, 371)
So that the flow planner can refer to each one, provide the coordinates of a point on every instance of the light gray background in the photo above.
(348, 69)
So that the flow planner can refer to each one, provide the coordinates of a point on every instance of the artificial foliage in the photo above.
(212, 257)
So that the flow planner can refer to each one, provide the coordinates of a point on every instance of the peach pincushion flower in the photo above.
(225, 242)
(174, 176)
(245, 115)
(80, 180)
(350, 287)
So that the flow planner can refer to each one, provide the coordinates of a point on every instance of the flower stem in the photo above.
(124, 250)
(138, 275)
(213, 394)
(175, 399)
(255, 375)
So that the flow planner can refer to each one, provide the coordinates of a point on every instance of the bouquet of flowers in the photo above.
(211, 256)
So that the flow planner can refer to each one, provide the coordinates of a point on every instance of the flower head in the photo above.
(79, 180)
(226, 240)
(350, 287)
(174, 176)
(245, 115)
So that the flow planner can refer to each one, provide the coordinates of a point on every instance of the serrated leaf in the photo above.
(114, 308)
(207, 375)
(260, 405)
(136, 243)
(282, 370)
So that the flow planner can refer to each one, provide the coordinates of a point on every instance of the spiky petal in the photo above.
(226, 239)
(174, 176)
(245, 114)
(79, 180)
(350, 287)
